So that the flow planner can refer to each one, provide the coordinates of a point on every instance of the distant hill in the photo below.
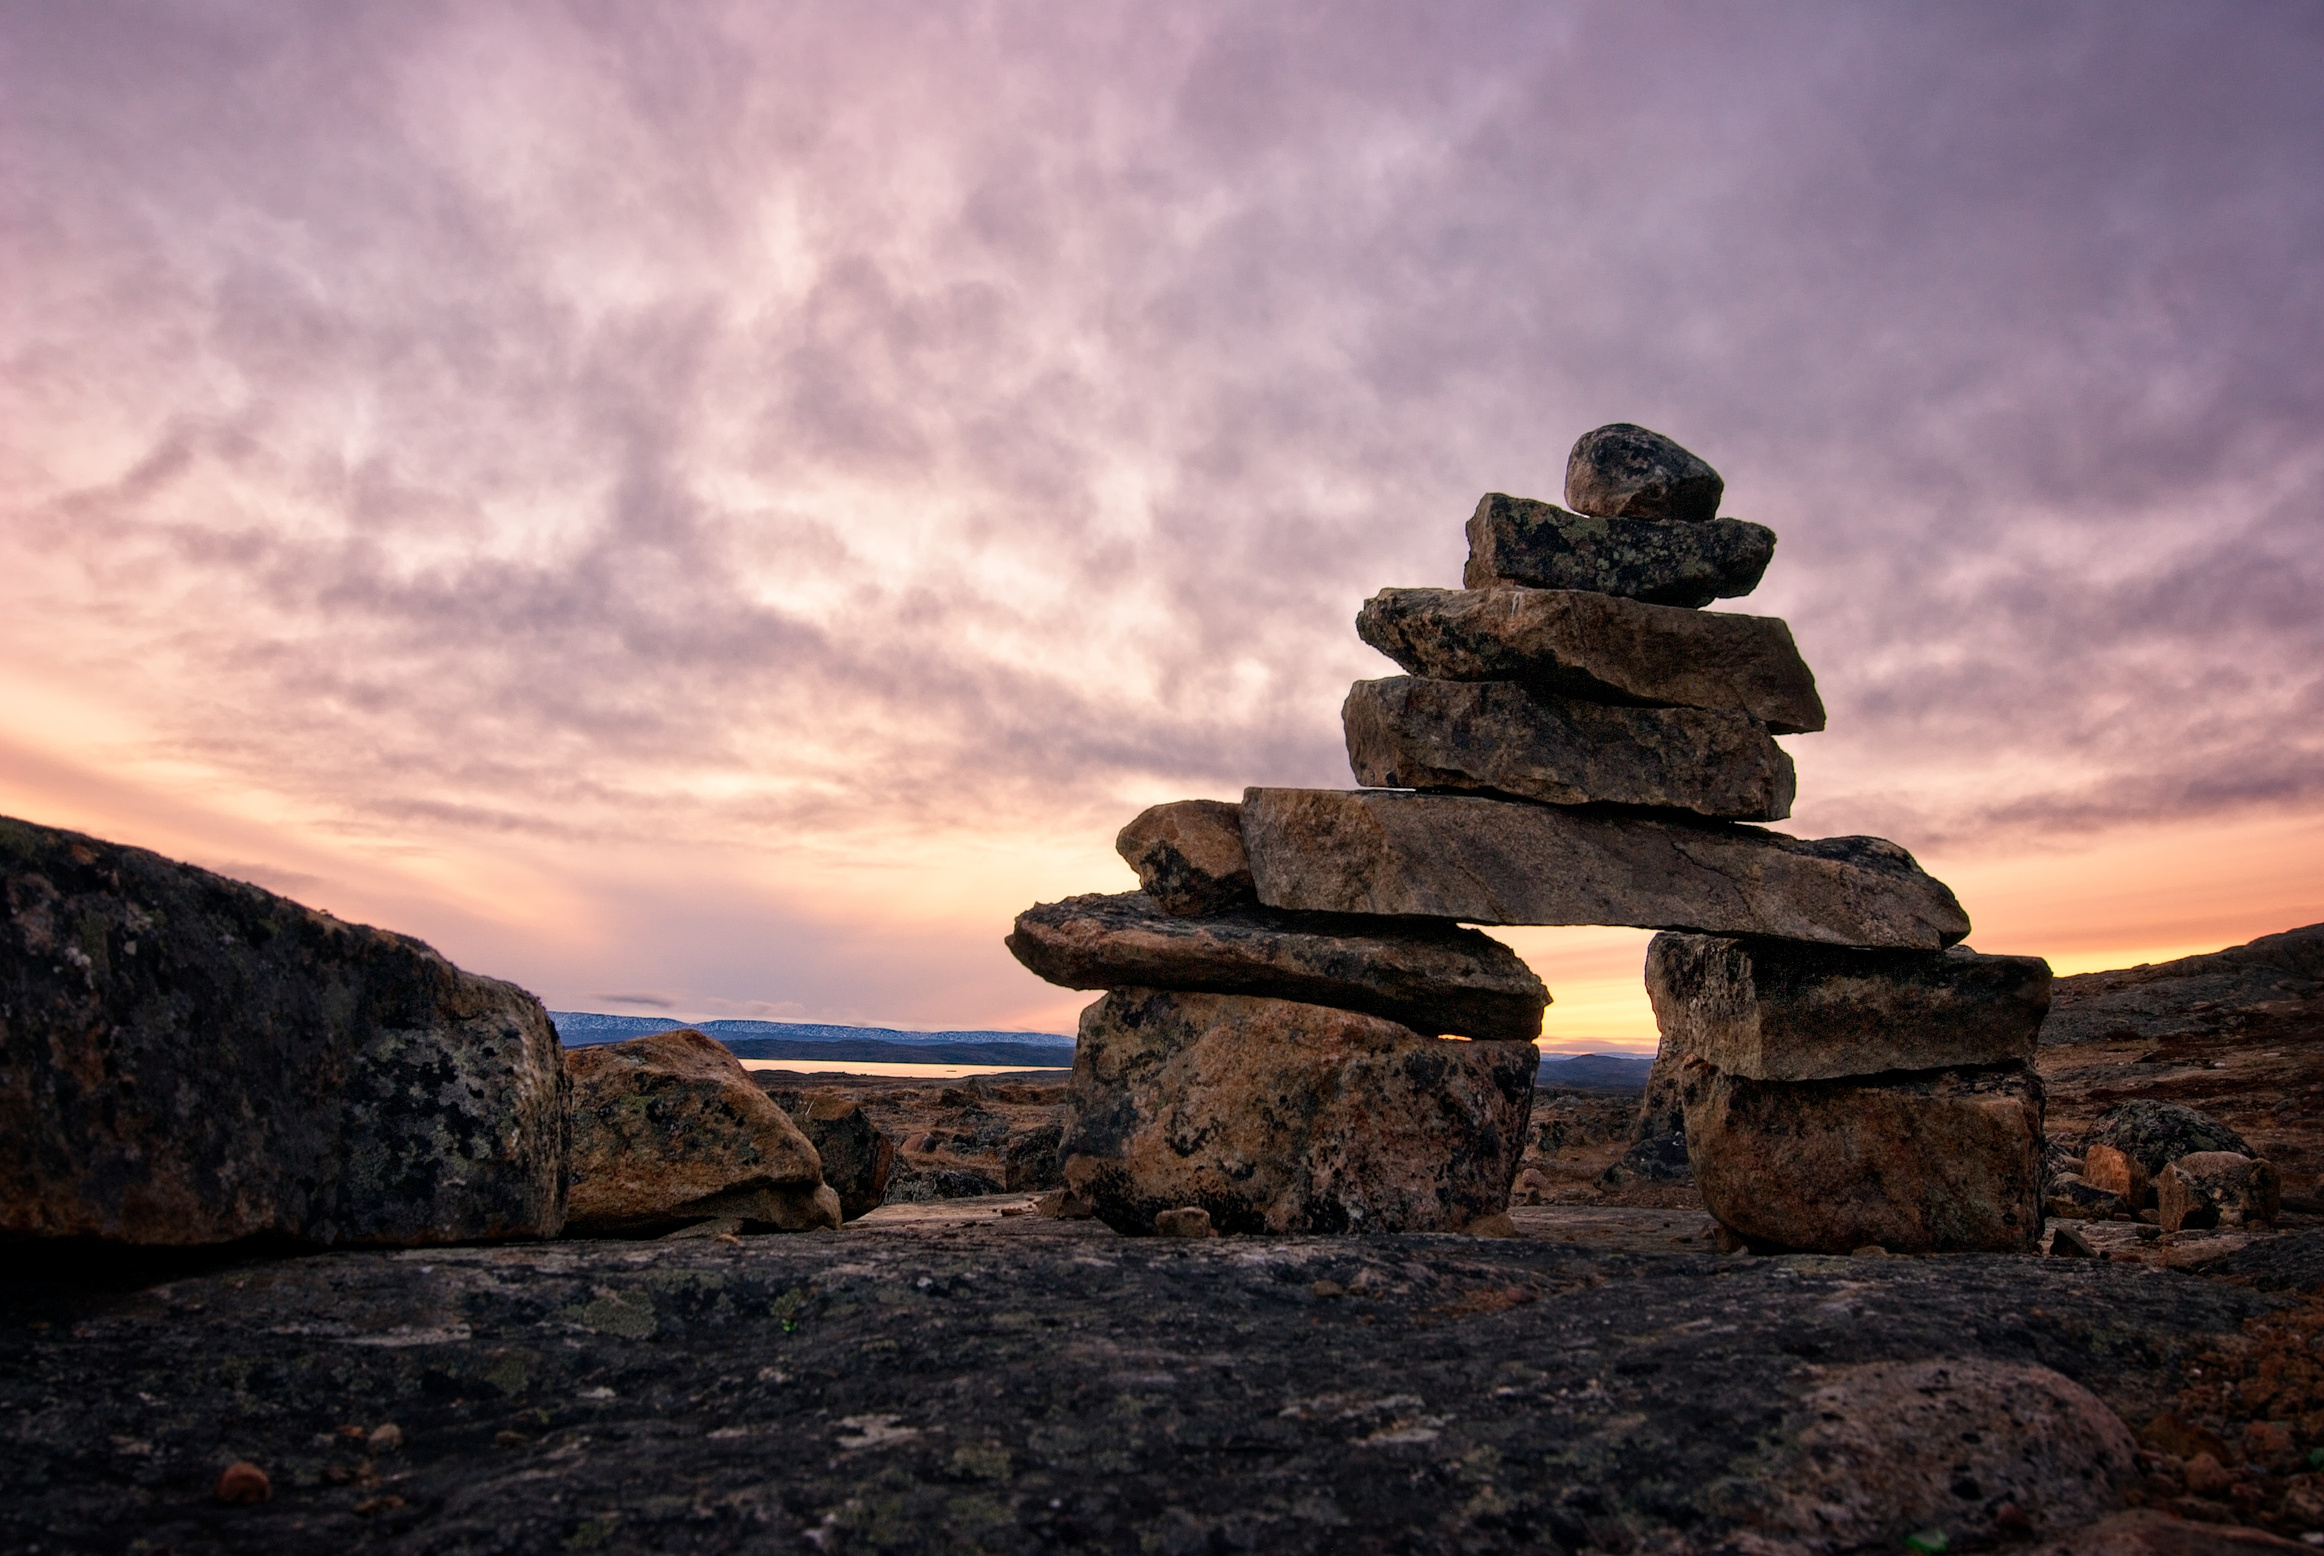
(815, 1040)
(1595, 1072)
(1022, 1050)
(2275, 983)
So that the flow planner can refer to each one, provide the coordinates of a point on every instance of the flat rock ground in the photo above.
(952, 1376)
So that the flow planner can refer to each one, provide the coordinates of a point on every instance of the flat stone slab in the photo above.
(1426, 974)
(1408, 732)
(1776, 1010)
(1538, 545)
(1273, 1116)
(1932, 1162)
(1599, 648)
(1486, 861)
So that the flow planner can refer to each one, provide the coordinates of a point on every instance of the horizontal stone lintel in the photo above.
(1487, 861)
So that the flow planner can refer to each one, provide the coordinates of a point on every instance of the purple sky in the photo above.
(727, 504)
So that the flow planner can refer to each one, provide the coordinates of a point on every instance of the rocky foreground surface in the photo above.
(955, 1378)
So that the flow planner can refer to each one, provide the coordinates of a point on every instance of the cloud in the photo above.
(768, 430)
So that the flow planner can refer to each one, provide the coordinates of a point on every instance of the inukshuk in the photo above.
(1577, 742)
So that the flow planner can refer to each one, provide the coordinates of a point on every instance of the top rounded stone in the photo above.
(1622, 471)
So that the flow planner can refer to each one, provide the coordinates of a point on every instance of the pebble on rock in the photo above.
(1625, 471)
(242, 1484)
(1185, 1221)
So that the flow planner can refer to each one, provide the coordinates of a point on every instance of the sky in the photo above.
(711, 510)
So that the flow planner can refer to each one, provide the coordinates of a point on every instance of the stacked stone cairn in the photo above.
(1577, 741)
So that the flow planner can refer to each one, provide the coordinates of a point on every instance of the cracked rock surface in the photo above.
(1013, 1384)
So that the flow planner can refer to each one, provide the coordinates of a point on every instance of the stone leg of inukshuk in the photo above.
(1282, 1071)
(1575, 742)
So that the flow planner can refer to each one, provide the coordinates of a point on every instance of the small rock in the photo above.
(2155, 1134)
(670, 1129)
(1030, 1160)
(1064, 1205)
(2147, 1531)
(925, 1185)
(243, 1483)
(1625, 471)
(2070, 1198)
(2207, 1477)
(1658, 1159)
(387, 1437)
(1185, 1221)
(856, 1155)
(1189, 855)
(2181, 1439)
(2071, 1242)
(2217, 1189)
(2270, 1443)
(2105, 1167)
(1538, 545)
(714, 1228)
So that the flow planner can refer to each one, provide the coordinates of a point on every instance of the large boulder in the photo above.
(1626, 471)
(1488, 861)
(1189, 855)
(1777, 1010)
(669, 1129)
(1538, 545)
(1989, 1452)
(1408, 732)
(2155, 1134)
(1424, 973)
(188, 1059)
(1281, 1117)
(1943, 1162)
(1600, 648)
